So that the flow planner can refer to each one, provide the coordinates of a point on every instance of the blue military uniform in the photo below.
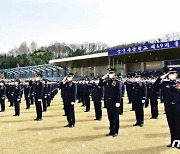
(129, 90)
(139, 93)
(153, 94)
(70, 92)
(87, 92)
(121, 108)
(171, 95)
(32, 89)
(11, 94)
(112, 96)
(45, 97)
(17, 99)
(39, 87)
(2, 96)
(27, 95)
(96, 98)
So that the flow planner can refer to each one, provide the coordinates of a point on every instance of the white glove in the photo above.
(143, 101)
(164, 76)
(45, 96)
(40, 100)
(117, 104)
(105, 76)
(159, 100)
(18, 99)
(3, 97)
(72, 103)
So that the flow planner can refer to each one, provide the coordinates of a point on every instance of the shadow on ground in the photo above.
(77, 139)
(150, 150)
(40, 129)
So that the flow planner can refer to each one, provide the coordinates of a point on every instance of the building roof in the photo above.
(105, 54)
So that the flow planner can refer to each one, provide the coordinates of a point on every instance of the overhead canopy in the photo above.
(31, 69)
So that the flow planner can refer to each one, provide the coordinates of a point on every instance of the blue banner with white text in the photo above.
(144, 48)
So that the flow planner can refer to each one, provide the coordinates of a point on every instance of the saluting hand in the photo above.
(64, 79)
(105, 76)
(164, 76)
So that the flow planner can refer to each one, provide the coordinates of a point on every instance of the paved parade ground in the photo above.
(23, 135)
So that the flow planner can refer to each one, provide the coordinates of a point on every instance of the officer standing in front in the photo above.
(70, 92)
(113, 97)
(39, 87)
(170, 86)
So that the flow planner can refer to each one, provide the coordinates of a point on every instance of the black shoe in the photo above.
(67, 125)
(87, 111)
(16, 115)
(44, 111)
(71, 126)
(178, 147)
(37, 119)
(2, 111)
(120, 113)
(141, 125)
(136, 124)
(169, 145)
(110, 134)
(64, 115)
(115, 135)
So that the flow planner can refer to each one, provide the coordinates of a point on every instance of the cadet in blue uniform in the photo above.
(17, 98)
(11, 93)
(27, 94)
(128, 84)
(49, 94)
(139, 93)
(96, 98)
(32, 88)
(170, 86)
(87, 92)
(61, 87)
(2, 95)
(153, 94)
(122, 96)
(39, 87)
(113, 97)
(70, 92)
(45, 96)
